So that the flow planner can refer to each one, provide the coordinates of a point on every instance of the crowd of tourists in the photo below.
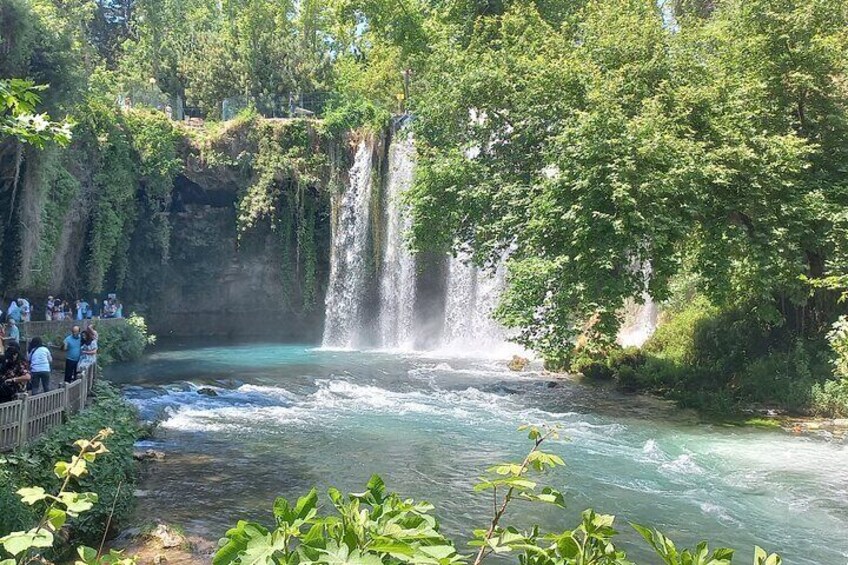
(58, 309)
(30, 370)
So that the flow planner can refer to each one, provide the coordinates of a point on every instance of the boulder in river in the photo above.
(518, 363)
(167, 536)
(206, 391)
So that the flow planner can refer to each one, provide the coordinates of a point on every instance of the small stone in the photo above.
(159, 559)
(206, 391)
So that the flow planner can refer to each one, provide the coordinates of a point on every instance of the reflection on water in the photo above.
(285, 418)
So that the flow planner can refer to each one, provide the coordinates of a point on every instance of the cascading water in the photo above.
(348, 257)
(472, 294)
(640, 320)
(397, 280)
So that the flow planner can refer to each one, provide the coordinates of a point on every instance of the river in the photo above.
(288, 417)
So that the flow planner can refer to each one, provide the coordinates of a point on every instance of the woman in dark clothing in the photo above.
(14, 373)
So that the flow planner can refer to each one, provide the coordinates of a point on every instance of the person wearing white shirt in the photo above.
(40, 360)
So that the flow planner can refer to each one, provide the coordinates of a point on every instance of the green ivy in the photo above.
(133, 157)
(60, 188)
(289, 172)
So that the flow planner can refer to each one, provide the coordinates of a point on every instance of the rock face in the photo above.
(168, 537)
(216, 284)
(147, 455)
(223, 280)
(186, 258)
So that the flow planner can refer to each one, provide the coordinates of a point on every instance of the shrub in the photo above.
(676, 336)
(830, 398)
(124, 342)
(113, 479)
(35, 540)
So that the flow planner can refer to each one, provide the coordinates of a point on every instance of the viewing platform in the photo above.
(29, 416)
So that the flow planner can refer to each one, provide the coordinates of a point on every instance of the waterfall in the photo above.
(397, 279)
(348, 256)
(368, 308)
(640, 320)
(472, 294)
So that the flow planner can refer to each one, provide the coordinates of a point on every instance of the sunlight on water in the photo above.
(287, 417)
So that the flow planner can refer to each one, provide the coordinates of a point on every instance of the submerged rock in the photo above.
(206, 391)
(148, 455)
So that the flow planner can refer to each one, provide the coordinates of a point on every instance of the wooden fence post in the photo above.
(66, 400)
(23, 428)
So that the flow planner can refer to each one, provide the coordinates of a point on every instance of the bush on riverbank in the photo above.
(113, 478)
(124, 342)
(721, 361)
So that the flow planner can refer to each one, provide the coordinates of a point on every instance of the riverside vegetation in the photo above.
(110, 483)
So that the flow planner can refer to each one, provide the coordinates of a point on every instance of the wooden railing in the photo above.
(24, 419)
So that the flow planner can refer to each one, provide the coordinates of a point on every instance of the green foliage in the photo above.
(288, 176)
(112, 480)
(376, 527)
(60, 189)
(605, 140)
(123, 342)
(18, 100)
(133, 164)
(26, 546)
(722, 360)
(830, 398)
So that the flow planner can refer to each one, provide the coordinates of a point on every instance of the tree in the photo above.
(613, 142)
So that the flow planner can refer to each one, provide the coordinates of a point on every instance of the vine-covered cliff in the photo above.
(210, 231)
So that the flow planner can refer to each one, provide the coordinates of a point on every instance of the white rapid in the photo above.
(397, 278)
(351, 217)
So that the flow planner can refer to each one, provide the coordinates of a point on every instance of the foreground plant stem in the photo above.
(500, 511)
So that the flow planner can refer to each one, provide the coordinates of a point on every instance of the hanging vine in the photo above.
(288, 168)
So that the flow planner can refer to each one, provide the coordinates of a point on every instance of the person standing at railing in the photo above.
(14, 331)
(14, 373)
(73, 346)
(89, 349)
(40, 360)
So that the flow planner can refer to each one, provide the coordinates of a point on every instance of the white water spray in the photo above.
(472, 295)
(397, 280)
(347, 262)
(640, 320)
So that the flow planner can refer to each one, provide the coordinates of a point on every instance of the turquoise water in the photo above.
(290, 417)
